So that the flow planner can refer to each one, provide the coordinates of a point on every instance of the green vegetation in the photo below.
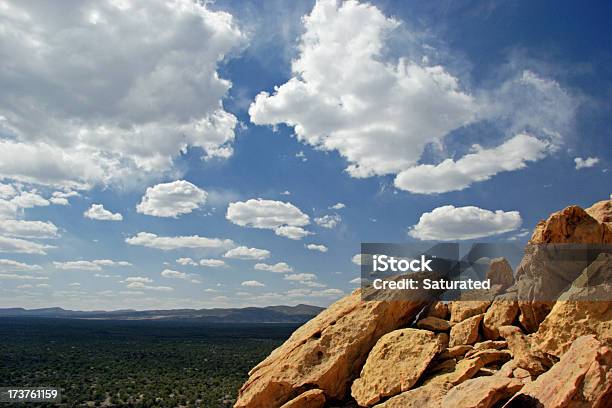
(135, 363)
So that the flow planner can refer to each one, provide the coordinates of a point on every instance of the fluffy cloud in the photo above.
(9, 265)
(280, 267)
(243, 252)
(98, 212)
(450, 223)
(316, 247)
(380, 114)
(480, 165)
(124, 105)
(16, 245)
(171, 274)
(140, 285)
(356, 259)
(306, 279)
(328, 221)
(253, 284)
(295, 233)
(171, 199)
(269, 214)
(16, 276)
(186, 261)
(140, 279)
(213, 263)
(585, 163)
(344, 97)
(28, 229)
(7, 191)
(338, 206)
(95, 265)
(150, 240)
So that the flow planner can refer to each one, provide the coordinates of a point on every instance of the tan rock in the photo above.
(520, 373)
(572, 225)
(502, 312)
(507, 369)
(465, 332)
(491, 356)
(439, 310)
(446, 365)
(444, 339)
(539, 278)
(326, 353)
(309, 399)
(601, 211)
(500, 273)
(464, 370)
(582, 378)
(482, 392)
(428, 396)
(487, 345)
(524, 356)
(433, 324)
(456, 351)
(584, 309)
(463, 309)
(395, 364)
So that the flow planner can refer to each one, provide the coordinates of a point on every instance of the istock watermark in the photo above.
(483, 271)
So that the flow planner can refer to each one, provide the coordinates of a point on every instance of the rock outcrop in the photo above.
(408, 351)
(326, 353)
(502, 349)
(482, 392)
(582, 378)
(309, 399)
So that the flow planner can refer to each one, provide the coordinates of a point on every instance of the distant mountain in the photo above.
(269, 314)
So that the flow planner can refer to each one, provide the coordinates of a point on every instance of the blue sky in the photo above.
(217, 126)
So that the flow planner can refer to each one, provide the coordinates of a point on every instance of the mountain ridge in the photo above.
(268, 314)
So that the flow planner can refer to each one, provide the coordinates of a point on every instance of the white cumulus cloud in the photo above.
(269, 214)
(253, 284)
(21, 246)
(28, 229)
(450, 223)
(280, 267)
(480, 165)
(585, 163)
(171, 199)
(213, 263)
(98, 212)
(380, 113)
(150, 240)
(316, 247)
(9, 265)
(133, 90)
(295, 233)
(246, 253)
(328, 221)
(172, 274)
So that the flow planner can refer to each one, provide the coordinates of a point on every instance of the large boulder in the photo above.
(574, 225)
(482, 392)
(584, 309)
(465, 332)
(408, 352)
(523, 352)
(428, 396)
(540, 277)
(326, 353)
(500, 273)
(582, 378)
(309, 399)
(502, 312)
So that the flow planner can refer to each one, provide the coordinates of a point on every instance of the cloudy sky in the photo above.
(163, 154)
